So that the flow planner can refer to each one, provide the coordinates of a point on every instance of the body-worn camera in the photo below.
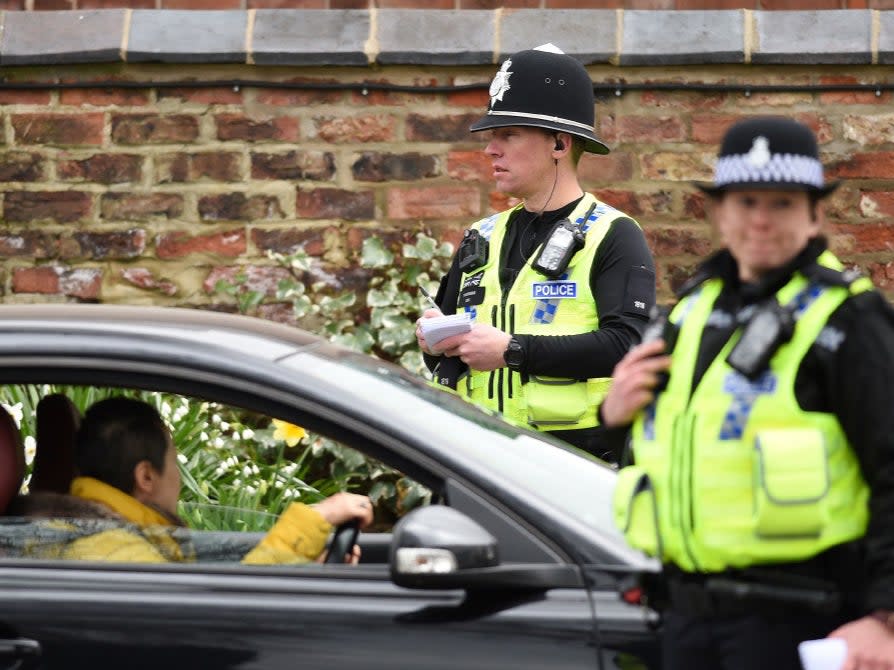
(660, 327)
(472, 253)
(565, 240)
(770, 326)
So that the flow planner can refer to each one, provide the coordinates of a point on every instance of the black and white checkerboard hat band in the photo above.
(779, 168)
(544, 88)
(769, 153)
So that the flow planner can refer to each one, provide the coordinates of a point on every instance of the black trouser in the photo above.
(740, 641)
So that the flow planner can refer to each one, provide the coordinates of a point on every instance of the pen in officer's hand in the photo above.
(429, 298)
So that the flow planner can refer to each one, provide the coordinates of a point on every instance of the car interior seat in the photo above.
(57, 421)
(12, 459)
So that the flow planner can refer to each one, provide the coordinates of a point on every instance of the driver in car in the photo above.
(127, 466)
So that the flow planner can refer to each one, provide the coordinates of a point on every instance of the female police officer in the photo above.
(560, 286)
(763, 465)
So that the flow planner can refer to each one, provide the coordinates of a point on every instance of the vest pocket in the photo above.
(792, 481)
(554, 402)
(635, 509)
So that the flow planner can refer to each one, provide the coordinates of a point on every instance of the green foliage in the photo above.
(382, 321)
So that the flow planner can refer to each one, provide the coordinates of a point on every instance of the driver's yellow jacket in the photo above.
(298, 536)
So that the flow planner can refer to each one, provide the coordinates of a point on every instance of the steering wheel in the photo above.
(343, 540)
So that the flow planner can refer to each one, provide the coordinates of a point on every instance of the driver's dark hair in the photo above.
(114, 436)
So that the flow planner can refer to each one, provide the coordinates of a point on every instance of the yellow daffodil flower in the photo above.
(291, 433)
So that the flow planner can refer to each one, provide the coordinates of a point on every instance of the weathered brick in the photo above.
(83, 283)
(447, 128)
(434, 202)
(375, 166)
(154, 128)
(636, 204)
(637, 129)
(875, 204)
(102, 168)
(469, 166)
(694, 205)
(110, 245)
(869, 130)
(297, 98)
(262, 278)
(677, 166)
(43, 279)
(863, 237)
(665, 241)
(219, 166)
(202, 96)
(682, 101)
(313, 165)
(104, 97)
(50, 206)
(287, 241)
(27, 243)
(376, 98)
(616, 166)
(177, 245)
(21, 166)
(24, 97)
(882, 274)
(238, 127)
(710, 128)
(58, 129)
(851, 97)
(367, 128)
(140, 207)
(239, 207)
(335, 203)
(477, 98)
(878, 165)
(145, 279)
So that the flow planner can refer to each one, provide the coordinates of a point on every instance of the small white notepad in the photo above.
(825, 654)
(437, 328)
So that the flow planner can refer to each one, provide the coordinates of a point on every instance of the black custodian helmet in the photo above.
(544, 88)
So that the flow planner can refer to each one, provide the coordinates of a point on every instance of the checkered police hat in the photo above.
(769, 153)
(544, 88)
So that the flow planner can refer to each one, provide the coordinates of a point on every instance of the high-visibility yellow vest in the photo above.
(734, 473)
(537, 305)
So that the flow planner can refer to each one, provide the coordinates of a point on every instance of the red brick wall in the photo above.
(151, 195)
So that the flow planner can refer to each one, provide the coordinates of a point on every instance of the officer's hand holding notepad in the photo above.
(438, 328)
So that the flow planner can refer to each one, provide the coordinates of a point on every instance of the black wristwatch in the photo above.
(514, 354)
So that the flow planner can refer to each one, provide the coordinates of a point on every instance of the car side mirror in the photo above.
(432, 545)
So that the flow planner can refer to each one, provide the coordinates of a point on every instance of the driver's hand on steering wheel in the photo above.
(343, 507)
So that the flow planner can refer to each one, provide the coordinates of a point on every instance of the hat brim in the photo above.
(712, 190)
(592, 144)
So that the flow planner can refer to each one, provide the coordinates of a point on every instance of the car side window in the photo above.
(240, 471)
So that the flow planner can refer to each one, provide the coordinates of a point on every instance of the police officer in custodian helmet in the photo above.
(762, 431)
(559, 286)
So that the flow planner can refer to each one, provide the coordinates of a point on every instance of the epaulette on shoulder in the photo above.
(831, 276)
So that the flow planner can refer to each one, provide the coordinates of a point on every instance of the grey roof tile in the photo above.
(310, 37)
(187, 36)
(435, 37)
(588, 35)
(657, 37)
(813, 37)
(55, 38)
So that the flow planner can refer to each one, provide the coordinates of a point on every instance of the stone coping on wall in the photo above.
(445, 37)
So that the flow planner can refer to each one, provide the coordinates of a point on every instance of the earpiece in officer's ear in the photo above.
(560, 146)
